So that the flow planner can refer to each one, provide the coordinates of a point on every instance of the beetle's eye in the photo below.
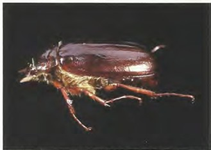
(69, 58)
(66, 59)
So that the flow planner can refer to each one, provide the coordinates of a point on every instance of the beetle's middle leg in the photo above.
(94, 97)
(149, 93)
(105, 102)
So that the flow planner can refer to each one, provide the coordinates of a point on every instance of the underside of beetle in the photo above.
(71, 84)
(89, 90)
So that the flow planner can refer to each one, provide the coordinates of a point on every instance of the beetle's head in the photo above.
(38, 72)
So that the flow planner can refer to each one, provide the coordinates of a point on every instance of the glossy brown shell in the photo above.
(113, 61)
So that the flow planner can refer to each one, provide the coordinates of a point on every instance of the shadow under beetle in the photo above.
(83, 68)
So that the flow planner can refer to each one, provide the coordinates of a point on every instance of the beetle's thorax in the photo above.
(69, 80)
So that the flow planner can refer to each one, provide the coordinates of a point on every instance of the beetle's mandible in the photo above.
(83, 68)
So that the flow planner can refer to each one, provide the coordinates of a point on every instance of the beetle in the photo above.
(84, 68)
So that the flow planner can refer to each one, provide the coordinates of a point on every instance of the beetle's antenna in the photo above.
(57, 52)
(59, 44)
(33, 64)
(156, 48)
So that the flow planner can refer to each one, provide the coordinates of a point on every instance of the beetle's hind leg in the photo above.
(72, 110)
(149, 93)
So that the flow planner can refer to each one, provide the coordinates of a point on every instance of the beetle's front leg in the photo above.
(149, 93)
(69, 103)
(72, 110)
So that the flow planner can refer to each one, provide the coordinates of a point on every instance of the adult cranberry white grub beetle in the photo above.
(84, 68)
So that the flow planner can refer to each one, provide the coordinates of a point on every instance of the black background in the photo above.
(35, 115)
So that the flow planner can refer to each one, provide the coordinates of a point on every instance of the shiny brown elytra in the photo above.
(84, 68)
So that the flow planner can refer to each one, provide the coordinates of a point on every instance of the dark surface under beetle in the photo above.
(35, 115)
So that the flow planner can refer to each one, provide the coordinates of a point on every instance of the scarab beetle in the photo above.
(84, 68)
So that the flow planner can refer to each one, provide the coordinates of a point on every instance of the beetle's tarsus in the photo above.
(176, 94)
(72, 111)
(156, 48)
(124, 97)
(192, 99)
(106, 105)
(89, 129)
(140, 102)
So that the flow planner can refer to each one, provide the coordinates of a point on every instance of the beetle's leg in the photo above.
(72, 110)
(69, 103)
(105, 102)
(145, 92)
(94, 97)
(124, 97)
(157, 48)
(57, 84)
